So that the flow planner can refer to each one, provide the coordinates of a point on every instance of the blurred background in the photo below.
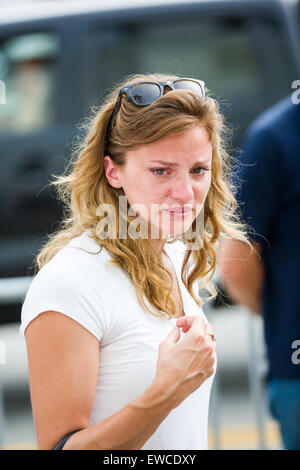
(59, 58)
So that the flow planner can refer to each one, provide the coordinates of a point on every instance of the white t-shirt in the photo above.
(80, 282)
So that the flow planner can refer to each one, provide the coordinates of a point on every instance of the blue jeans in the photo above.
(284, 401)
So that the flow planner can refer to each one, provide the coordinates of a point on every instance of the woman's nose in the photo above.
(182, 189)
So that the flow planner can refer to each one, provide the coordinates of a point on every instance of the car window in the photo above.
(224, 52)
(27, 72)
(218, 52)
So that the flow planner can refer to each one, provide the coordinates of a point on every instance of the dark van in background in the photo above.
(59, 58)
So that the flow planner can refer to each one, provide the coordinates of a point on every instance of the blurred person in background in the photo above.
(266, 280)
(107, 367)
(26, 64)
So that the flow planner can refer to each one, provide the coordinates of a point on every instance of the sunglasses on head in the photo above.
(146, 93)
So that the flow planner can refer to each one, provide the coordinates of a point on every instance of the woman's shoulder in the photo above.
(80, 255)
(84, 246)
(75, 268)
(85, 241)
(68, 284)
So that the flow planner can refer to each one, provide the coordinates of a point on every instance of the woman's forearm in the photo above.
(129, 428)
(242, 272)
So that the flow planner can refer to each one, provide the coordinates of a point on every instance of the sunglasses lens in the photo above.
(189, 85)
(145, 93)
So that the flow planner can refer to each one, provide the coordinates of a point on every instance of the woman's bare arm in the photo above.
(242, 272)
(128, 429)
(63, 367)
(63, 364)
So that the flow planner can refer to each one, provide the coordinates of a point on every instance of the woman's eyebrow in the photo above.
(161, 162)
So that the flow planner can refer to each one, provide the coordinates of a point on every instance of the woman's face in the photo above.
(166, 182)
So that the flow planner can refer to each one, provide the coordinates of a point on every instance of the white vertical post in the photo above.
(256, 384)
(2, 92)
(215, 393)
(2, 413)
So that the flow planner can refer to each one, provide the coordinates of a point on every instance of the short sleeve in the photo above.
(66, 287)
(259, 181)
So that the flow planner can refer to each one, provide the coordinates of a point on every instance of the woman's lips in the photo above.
(179, 214)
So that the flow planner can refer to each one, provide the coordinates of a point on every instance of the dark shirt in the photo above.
(269, 197)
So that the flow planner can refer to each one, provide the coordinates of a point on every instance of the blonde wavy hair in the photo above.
(84, 186)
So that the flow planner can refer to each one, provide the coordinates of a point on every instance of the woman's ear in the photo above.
(112, 172)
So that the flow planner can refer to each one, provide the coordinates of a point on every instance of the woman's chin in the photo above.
(176, 229)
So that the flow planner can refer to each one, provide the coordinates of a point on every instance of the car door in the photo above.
(35, 121)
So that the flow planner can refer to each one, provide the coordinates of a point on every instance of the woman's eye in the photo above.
(200, 168)
(159, 170)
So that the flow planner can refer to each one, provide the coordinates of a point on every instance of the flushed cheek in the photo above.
(200, 198)
(148, 210)
(138, 192)
(201, 192)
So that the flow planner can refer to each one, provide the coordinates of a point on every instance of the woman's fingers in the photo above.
(186, 365)
(174, 335)
(209, 330)
(185, 323)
